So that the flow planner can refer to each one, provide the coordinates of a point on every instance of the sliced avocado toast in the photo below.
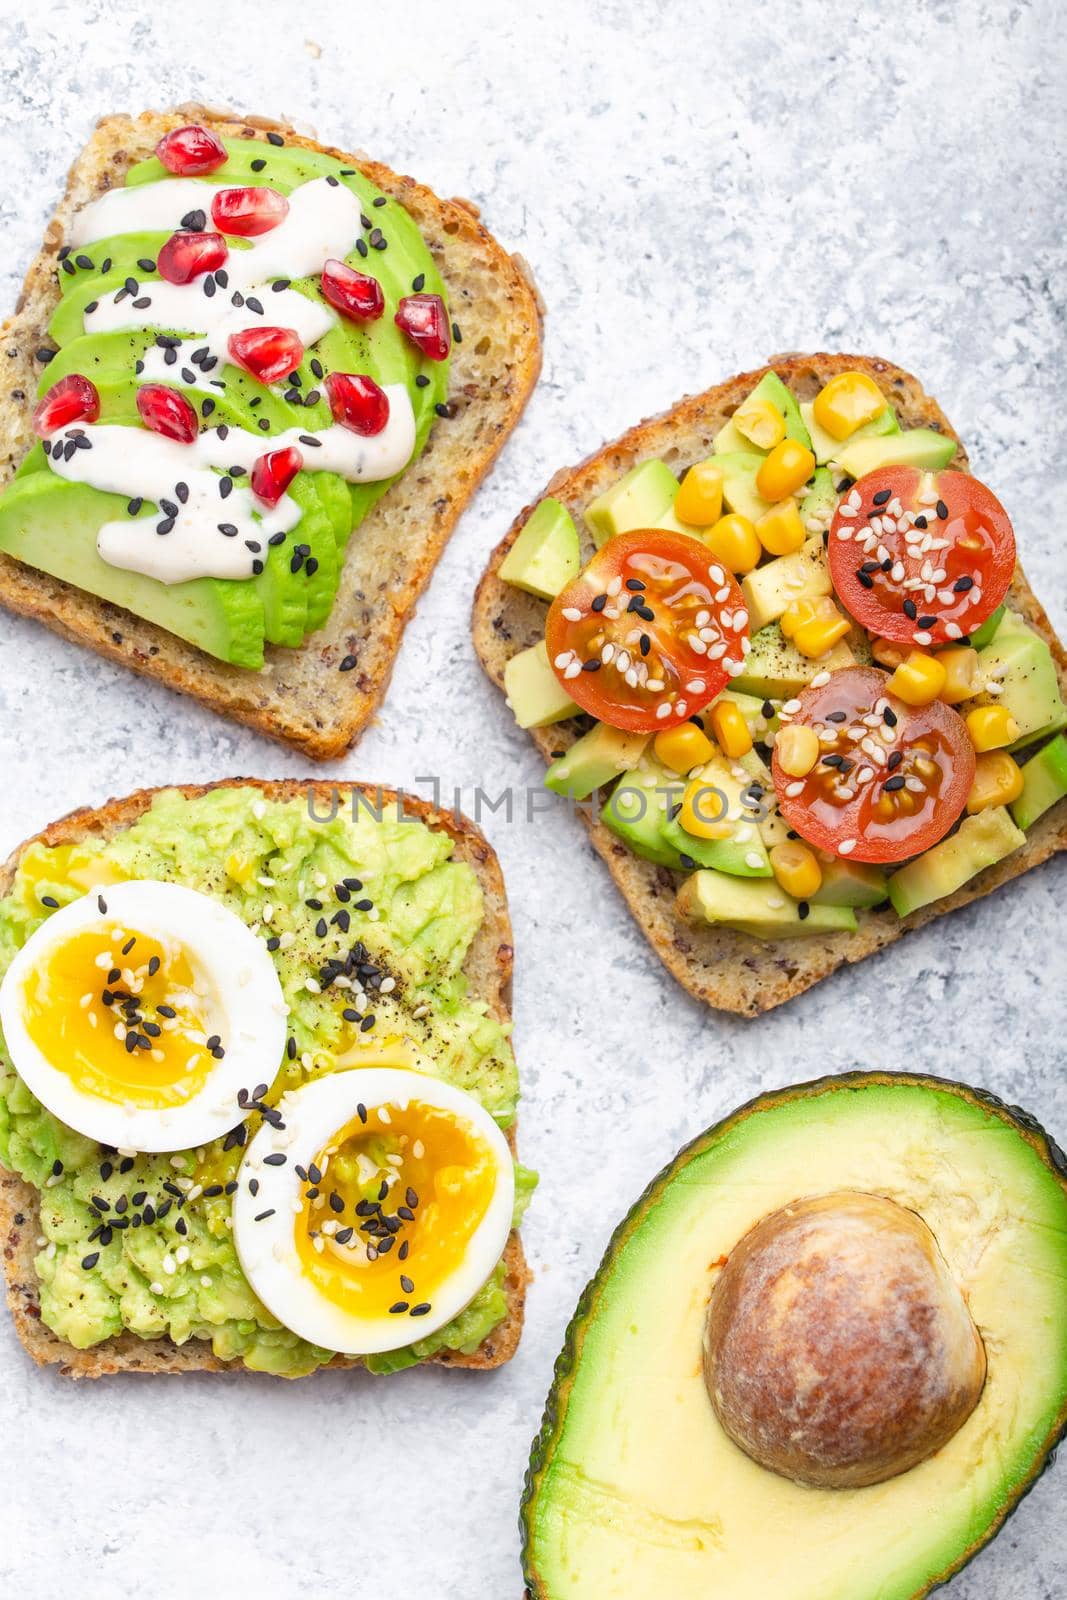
(301, 644)
(167, 1292)
(735, 941)
(635, 1488)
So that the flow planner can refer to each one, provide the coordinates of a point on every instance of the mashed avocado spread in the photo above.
(165, 1261)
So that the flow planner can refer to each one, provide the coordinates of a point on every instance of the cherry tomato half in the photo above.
(649, 632)
(921, 558)
(891, 778)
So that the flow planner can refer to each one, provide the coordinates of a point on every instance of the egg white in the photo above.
(267, 1250)
(237, 976)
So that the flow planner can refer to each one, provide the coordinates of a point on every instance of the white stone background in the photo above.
(696, 187)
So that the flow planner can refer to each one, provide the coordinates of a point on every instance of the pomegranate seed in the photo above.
(424, 318)
(187, 255)
(267, 353)
(248, 211)
(353, 293)
(72, 399)
(167, 412)
(188, 151)
(273, 473)
(357, 402)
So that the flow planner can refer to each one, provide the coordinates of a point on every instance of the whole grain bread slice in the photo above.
(725, 969)
(488, 968)
(301, 697)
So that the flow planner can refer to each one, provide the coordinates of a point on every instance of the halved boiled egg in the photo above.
(136, 1013)
(378, 1212)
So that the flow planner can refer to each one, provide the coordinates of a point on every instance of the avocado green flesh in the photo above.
(52, 524)
(431, 908)
(633, 1488)
(294, 604)
(1044, 782)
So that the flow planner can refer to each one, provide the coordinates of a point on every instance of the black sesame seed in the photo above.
(889, 717)
(89, 1261)
(942, 510)
(49, 901)
(882, 496)
(422, 381)
(911, 609)
(258, 164)
(927, 622)
(278, 1159)
(961, 585)
(895, 782)
(394, 1310)
(420, 1310)
(275, 139)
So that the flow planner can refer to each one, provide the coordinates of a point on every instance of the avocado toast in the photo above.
(824, 1357)
(407, 345)
(715, 913)
(128, 1258)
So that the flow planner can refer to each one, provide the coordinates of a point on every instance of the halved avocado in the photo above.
(634, 1487)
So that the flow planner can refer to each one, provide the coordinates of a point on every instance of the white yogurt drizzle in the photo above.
(323, 221)
(143, 465)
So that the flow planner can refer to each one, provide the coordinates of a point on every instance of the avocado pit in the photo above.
(839, 1350)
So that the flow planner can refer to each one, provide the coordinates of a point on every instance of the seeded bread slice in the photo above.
(488, 969)
(731, 970)
(301, 697)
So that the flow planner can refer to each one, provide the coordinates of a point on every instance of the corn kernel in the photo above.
(846, 403)
(683, 748)
(699, 500)
(780, 530)
(796, 868)
(703, 812)
(733, 541)
(239, 868)
(961, 673)
(814, 626)
(730, 729)
(797, 748)
(991, 727)
(998, 780)
(887, 654)
(787, 468)
(918, 680)
(761, 422)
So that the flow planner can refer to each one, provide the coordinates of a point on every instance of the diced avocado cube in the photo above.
(980, 842)
(1020, 662)
(638, 500)
(757, 907)
(743, 854)
(803, 575)
(819, 504)
(739, 490)
(1044, 782)
(594, 760)
(545, 556)
(774, 668)
(770, 387)
(851, 883)
(913, 447)
(533, 691)
(827, 448)
(636, 811)
(987, 632)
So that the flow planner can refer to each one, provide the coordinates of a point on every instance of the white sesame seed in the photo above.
(155, 1288)
(754, 860)
(923, 636)
(663, 711)
(846, 847)
(820, 679)
(572, 613)
(793, 789)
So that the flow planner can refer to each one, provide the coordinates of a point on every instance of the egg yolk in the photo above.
(118, 1013)
(390, 1208)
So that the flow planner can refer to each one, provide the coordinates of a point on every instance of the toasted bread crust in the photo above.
(732, 971)
(489, 969)
(301, 698)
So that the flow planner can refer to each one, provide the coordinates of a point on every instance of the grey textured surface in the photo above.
(696, 187)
